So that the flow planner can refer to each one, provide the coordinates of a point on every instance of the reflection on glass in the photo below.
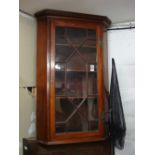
(59, 67)
(60, 79)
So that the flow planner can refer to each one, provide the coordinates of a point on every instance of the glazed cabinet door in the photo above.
(78, 80)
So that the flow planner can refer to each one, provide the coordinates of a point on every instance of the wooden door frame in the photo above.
(100, 84)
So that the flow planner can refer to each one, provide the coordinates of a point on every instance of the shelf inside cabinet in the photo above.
(75, 97)
(75, 45)
(78, 71)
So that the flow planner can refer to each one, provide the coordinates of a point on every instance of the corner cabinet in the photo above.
(70, 83)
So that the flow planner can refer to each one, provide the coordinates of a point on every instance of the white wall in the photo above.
(27, 74)
(121, 48)
(27, 50)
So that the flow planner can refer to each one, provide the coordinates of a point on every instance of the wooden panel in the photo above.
(52, 84)
(72, 15)
(75, 23)
(43, 79)
(31, 147)
(100, 77)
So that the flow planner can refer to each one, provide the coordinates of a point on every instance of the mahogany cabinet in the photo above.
(70, 83)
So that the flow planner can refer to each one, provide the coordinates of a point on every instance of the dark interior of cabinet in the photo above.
(76, 80)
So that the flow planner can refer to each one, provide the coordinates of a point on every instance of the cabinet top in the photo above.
(80, 16)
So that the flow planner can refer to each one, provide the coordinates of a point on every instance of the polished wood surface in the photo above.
(31, 147)
(46, 127)
(72, 15)
(42, 80)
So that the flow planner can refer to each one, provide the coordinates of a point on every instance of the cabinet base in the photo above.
(32, 147)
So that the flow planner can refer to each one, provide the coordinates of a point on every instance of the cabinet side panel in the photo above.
(100, 78)
(42, 80)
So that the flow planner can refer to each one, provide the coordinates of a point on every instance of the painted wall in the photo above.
(121, 48)
(120, 45)
(27, 70)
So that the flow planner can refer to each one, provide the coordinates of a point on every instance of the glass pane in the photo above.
(88, 54)
(60, 79)
(93, 114)
(76, 63)
(63, 52)
(88, 48)
(60, 38)
(76, 84)
(76, 35)
(90, 43)
(91, 34)
(74, 115)
(76, 80)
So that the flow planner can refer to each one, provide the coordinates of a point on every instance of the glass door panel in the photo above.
(76, 80)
